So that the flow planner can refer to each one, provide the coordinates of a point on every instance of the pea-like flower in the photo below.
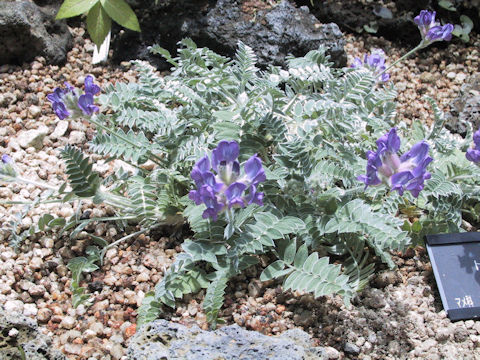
(374, 62)
(474, 154)
(6, 166)
(406, 172)
(220, 184)
(66, 102)
(431, 30)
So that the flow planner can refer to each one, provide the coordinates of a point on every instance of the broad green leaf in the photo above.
(57, 222)
(447, 4)
(274, 270)
(71, 8)
(201, 250)
(98, 24)
(301, 256)
(308, 265)
(121, 13)
(289, 253)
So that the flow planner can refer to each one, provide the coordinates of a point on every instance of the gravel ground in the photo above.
(398, 317)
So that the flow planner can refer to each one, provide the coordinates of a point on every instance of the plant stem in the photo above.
(36, 183)
(418, 47)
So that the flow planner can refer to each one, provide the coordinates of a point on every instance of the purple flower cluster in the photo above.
(407, 172)
(374, 62)
(66, 102)
(430, 29)
(474, 154)
(6, 166)
(6, 159)
(225, 187)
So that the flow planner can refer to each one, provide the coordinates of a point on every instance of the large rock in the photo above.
(18, 331)
(27, 31)
(357, 15)
(271, 33)
(465, 109)
(164, 340)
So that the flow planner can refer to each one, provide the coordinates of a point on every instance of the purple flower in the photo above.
(425, 20)
(220, 184)
(474, 154)
(6, 159)
(234, 194)
(90, 87)
(374, 62)
(254, 170)
(430, 29)
(85, 103)
(60, 110)
(7, 168)
(407, 172)
(66, 102)
(438, 33)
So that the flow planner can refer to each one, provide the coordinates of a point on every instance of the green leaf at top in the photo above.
(98, 24)
(447, 4)
(122, 13)
(71, 8)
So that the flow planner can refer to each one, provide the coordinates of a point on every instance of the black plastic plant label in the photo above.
(455, 261)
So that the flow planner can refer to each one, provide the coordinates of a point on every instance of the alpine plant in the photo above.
(400, 173)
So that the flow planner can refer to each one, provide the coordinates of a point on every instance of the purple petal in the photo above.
(85, 103)
(439, 32)
(194, 195)
(390, 141)
(473, 155)
(234, 194)
(254, 170)
(399, 180)
(56, 96)
(476, 138)
(385, 77)
(227, 151)
(201, 166)
(425, 18)
(357, 63)
(254, 196)
(6, 159)
(90, 87)
(60, 110)
(417, 153)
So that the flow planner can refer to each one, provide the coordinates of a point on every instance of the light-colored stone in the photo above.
(30, 310)
(77, 137)
(14, 306)
(68, 322)
(60, 129)
(32, 138)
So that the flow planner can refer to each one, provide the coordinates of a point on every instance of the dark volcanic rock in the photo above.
(465, 109)
(164, 340)
(354, 16)
(272, 33)
(18, 331)
(27, 31)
